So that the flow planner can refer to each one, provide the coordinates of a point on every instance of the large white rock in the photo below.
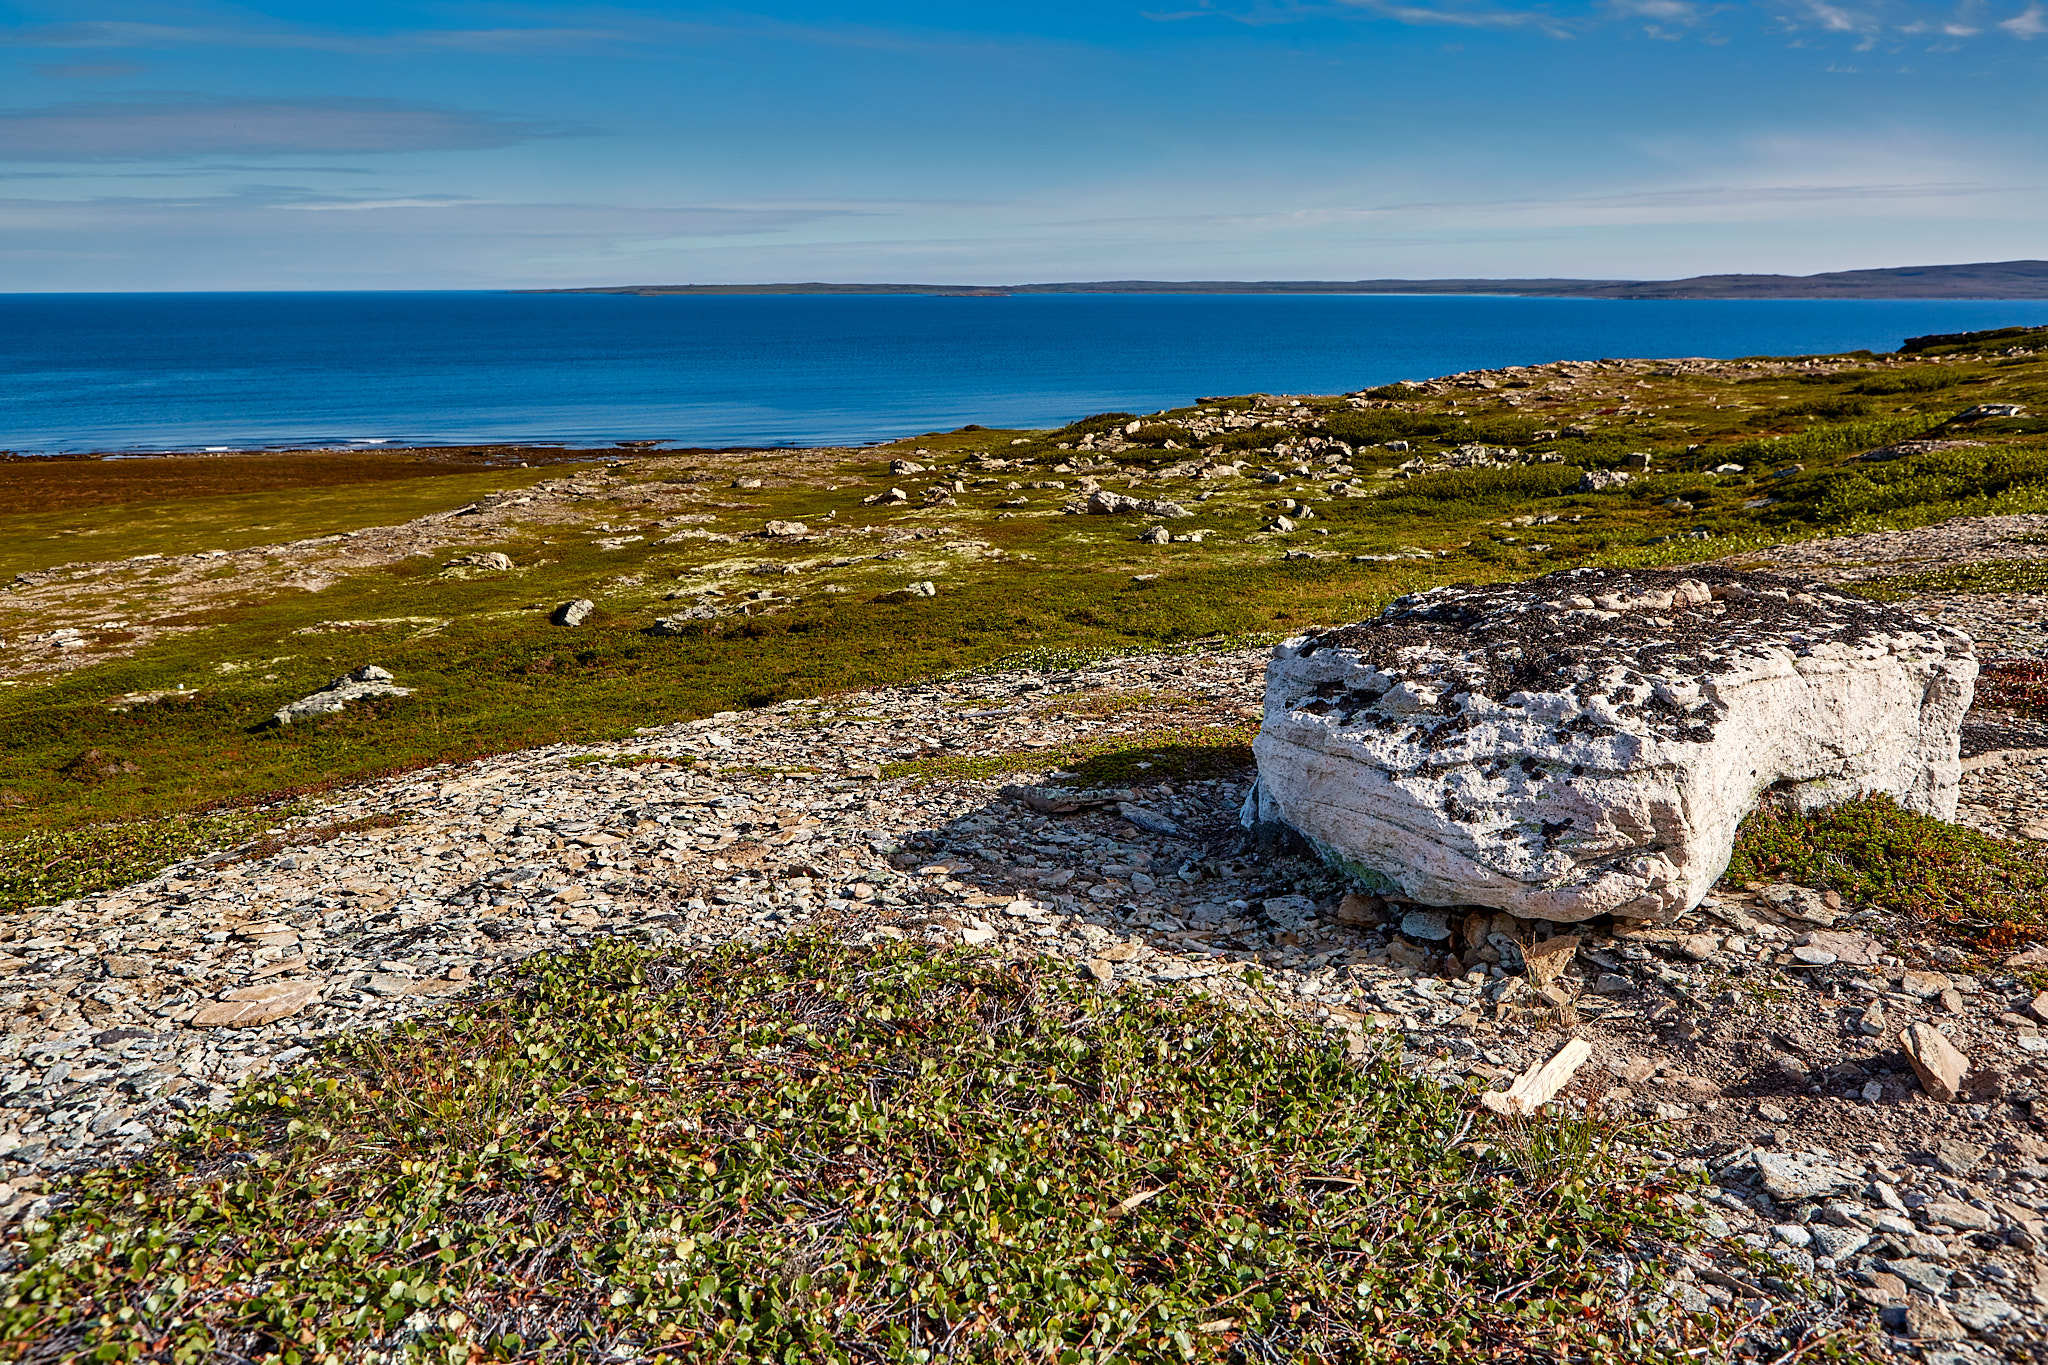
(1587, 743)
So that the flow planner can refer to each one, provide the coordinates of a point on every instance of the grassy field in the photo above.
(215, 651)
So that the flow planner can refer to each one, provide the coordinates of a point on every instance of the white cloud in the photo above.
(1659, 11)
(1462, 15)
(2030, 22)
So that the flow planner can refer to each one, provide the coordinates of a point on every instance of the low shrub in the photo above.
(45, 867)
(1984, 891)
(814, 1151)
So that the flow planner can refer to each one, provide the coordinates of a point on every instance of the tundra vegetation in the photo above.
(810, 1150)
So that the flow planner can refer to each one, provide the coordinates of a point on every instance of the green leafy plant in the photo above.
(816, 1152)
(1983, 891)
(47, 866)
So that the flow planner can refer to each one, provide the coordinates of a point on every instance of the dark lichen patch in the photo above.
(1637, 641)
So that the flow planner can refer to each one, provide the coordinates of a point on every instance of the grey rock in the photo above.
(1431, 926)
(367, 681)
(1794, 1177)
(1838, 1243)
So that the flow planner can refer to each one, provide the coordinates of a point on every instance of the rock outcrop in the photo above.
(367, 681)
(1587, 743)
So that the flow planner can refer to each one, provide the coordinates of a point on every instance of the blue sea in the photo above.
(144, 372)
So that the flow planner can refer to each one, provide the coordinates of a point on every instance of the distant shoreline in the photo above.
(1980, 282)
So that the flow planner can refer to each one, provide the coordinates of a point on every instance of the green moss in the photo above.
(2000, 575)
(1983, 891)
(810, 1151)
(1471, 485)
(50, 866)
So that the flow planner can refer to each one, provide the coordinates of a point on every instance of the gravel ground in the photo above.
(1757, 1037)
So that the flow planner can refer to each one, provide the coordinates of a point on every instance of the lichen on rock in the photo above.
(1588, 742)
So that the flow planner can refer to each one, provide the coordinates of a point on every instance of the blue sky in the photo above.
(459, 145)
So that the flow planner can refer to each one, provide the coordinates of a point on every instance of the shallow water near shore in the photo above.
(149, 372)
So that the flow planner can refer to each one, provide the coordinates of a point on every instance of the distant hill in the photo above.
(1985, 280)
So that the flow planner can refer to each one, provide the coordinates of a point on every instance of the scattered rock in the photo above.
(1359, 911)
(1430, 926)
(574, 613)
(1102, 502)
(1796, 1176)
(1547, 960)
(486, 561)
(1920, 1321)
(1860, 950)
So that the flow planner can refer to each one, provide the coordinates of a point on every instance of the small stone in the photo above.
(1953, 1156)
(1546, 961)
(574, 613)
(1359, 911)
(1923, 1322)
(1838, 1243)
(1813, 957)
(1860, 950)
(1792, 1234)
(1793, 1177)
(255, 1005)
(1921, 1275)
(2038, 1007)
(1775, 1113)
(1612, 983)
(1936, 1061)
(128, 967)
(1102, 972)
(1431, 926)
(1952, 1214)
(490, 561)
(1925, 985)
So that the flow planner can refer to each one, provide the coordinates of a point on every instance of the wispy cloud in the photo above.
(128, 34)
(1658, 11)
(166, 128)
(2029, 23)
(1456, 14)
(591, 28)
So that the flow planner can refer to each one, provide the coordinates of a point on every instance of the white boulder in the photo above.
(365, 682)
(1587, 743)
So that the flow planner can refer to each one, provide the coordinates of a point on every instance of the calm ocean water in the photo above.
(184, 371)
